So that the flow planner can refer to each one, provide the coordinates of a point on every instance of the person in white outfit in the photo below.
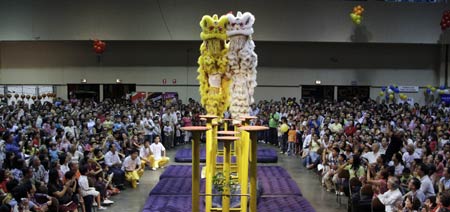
(86, 190)
(159, 154)
(391, 197)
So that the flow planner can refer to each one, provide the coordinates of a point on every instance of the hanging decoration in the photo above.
(99, 46)
(356, 14)
(445, 20)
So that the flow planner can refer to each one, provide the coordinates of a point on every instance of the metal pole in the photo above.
(253, 141)
(196, 171)
(226, 173)
(209, 169)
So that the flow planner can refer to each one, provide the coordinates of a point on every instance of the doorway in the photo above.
(83, 91)
(350, 92)
(318, 92)
(117, 92)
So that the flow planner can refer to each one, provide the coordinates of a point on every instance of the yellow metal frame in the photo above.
(245, 150)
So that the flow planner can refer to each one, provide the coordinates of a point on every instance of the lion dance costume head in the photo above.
(213, 65)
(242, 61)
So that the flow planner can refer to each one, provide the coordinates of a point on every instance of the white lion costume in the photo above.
(242, 62)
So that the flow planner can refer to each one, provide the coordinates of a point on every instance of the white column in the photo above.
(100, 92)
(335, 93)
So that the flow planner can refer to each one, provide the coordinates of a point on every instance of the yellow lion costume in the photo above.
(213, 63)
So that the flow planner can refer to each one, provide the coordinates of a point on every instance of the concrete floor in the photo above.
(132, 200)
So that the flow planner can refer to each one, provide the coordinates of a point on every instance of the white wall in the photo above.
(283, 67)
(284, 79)
(294, 20)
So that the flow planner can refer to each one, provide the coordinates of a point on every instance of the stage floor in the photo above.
(133, 200)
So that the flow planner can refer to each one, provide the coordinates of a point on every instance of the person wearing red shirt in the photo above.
(350, 129)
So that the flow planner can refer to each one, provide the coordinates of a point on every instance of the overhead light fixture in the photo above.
(84, 80)
(318, 82)
(118, 80)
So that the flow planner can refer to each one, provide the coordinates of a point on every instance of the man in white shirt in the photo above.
(146, 154)
(409, 155)
(392, 196)
(426, 184)
(159, 154)
(132, 167)
(86, 190)
(112, 160)
(373, 155)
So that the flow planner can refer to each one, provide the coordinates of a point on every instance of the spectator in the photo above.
(85, 189)
(159, 154)
(392, 196)
(132, 168)
(426, 184)
(112, 160)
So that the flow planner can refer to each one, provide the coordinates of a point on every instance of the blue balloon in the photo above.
(396, 90)
(391, 87)
(442, 87)
(428, 91)
(383, 88)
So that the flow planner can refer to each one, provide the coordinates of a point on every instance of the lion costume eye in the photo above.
(211, 28)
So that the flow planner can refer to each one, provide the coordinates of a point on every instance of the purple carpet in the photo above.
(263, 156)
(184, 171)
(176, 186)
(173, 203)
(279, 186)
(177, 171)
(272, 172)
(280, 193)
(284, 204)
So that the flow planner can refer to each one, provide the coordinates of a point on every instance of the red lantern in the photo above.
(99, 46)
(39, 97)
(445, 20)
(33, 97)
(16, 96)
(8, 96)
(22, 96)
(164, 81)
(174, 81)
(28, 96)
(44, 95)
(1, 96)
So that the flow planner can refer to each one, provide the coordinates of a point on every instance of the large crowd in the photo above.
(58, 156)
(72, 155)
(384, 157)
